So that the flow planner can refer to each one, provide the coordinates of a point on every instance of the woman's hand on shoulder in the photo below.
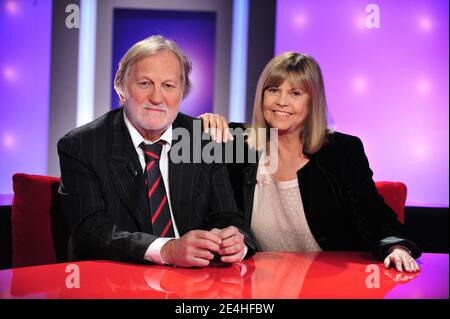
(217, 126)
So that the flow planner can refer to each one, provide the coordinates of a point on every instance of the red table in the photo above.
(266, 275)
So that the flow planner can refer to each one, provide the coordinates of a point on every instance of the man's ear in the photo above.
(121, 97)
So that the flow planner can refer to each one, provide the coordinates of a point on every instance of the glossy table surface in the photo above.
(265, 275)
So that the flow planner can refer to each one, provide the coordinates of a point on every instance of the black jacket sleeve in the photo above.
(377, 221)
(94, 233)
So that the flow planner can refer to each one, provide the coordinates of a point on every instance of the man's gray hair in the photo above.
(148, 47)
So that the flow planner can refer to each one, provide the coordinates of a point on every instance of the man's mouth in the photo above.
(155, 109)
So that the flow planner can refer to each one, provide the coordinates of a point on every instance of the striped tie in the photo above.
(157, 197)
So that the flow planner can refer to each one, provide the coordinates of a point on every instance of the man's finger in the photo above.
(198, 262)
(203, 254)
(207, 245)
(203, 234)
(233, 258)
(215, 231)
(231, 250)
(230, 241)
(228, 232)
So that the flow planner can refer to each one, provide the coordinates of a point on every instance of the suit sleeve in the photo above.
(94, 235)
(376, 220)
(224, 211)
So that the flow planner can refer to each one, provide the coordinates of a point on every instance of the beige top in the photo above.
(278, 218)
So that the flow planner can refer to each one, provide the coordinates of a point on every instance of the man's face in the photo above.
(152, 93)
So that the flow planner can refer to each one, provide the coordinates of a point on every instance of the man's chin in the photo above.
(154, 125)
(156, 121)
(157, 124)
(156, 128)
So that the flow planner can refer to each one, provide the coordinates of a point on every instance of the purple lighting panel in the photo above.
(25, 33)
(385, 65)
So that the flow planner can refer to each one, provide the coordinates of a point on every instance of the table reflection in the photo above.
(265, 275)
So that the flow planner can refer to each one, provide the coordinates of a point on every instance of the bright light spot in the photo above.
(360, 84)
(360, 22)
(9, 73)
(300, 20)
(424, 86)
(425, 23)
(11, 7)
(8, 141)
(420, 151)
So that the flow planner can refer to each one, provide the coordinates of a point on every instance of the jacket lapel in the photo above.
(127, 177)
(249, 178)
(178, 175)
(181, 181)
(248, 187)
(312, 181)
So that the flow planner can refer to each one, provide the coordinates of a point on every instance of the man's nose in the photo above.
(155, 96)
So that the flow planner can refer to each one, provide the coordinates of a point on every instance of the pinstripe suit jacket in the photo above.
(104, 194)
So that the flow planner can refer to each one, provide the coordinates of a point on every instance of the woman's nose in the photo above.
(282, 99)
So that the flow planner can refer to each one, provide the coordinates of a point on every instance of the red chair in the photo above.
(39, 234)
(394, 194)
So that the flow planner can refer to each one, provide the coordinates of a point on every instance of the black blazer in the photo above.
(342, 206)
(104, 193)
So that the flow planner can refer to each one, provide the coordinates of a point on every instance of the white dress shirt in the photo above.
(153, 252)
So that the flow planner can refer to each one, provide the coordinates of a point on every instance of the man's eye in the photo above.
(144, 84)
(169, 86)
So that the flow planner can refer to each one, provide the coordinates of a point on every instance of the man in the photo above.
(123, 196)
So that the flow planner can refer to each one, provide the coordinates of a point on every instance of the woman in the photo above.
(321, 195)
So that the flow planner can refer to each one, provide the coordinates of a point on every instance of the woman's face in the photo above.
(286, 108)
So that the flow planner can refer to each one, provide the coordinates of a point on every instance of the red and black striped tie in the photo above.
(157, 197)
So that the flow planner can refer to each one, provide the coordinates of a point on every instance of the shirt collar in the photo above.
(137, 138)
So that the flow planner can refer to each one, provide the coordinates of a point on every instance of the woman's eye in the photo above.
(272, 90)
(296, 93)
